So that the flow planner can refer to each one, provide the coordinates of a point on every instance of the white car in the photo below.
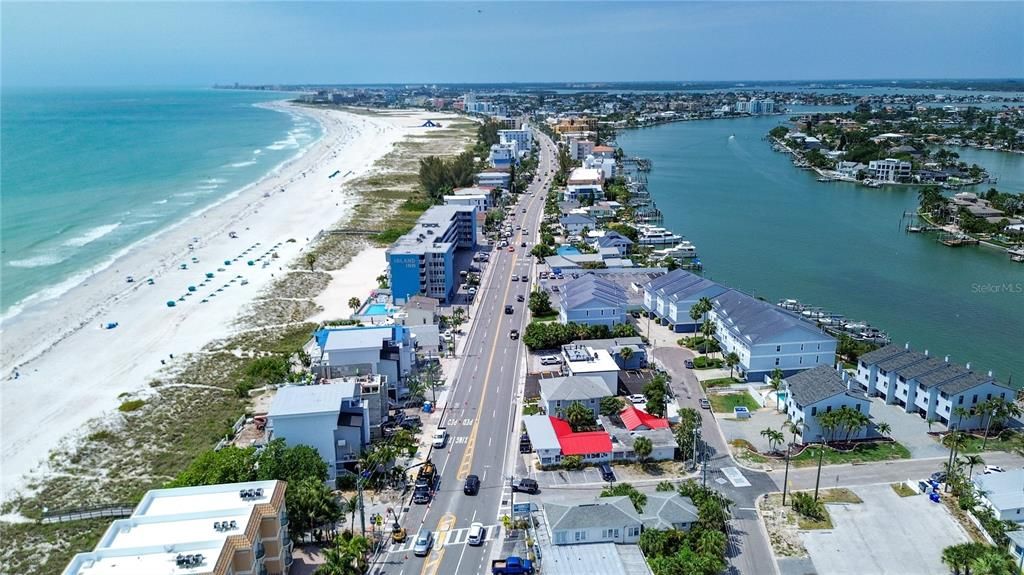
(549, 360)
(440, 438)
(637, 398)
(476, 534)
(989, 469)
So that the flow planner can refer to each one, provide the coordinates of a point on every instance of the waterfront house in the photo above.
(929, 386)
(585, 360)
(766, 337)
(558, 393)
(621, 243)
(359, 350)
(224, 528)
(889, 170)
(574, 224)
(584, 183)
(813, 392)
(1003, 493)
(671, 297)
(330, 418)
(849, 169)
(591, 300)
(605, 164)
(423, 260)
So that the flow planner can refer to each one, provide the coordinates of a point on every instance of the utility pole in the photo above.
(817, 481)
(362, 508)
(696, 434)
(704, 456)
(512, 501)
(785, 480)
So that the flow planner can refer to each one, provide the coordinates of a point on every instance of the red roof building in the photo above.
(635, 419)
(586, 443)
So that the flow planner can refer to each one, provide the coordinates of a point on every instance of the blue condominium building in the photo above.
(423, 260)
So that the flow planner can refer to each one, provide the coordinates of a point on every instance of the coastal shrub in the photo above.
(638, 498)
(665, 486)
(805, 505)
(131, 405)
(572, 462)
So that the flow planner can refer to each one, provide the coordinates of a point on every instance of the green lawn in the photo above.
(720, 382)
(724, 403)
(863, 453)
(546, 317)
(1007, 441)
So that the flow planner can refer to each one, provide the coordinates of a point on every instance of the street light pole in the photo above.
(785, 480)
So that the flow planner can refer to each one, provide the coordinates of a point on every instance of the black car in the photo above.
(411, 422)
(472, 486)
(508, 309)
(520, 298)
(606, 472)
(421, 496)
(526, 486)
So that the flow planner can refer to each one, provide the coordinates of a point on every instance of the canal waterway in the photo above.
(768, 228)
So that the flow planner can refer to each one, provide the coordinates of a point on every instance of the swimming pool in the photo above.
(376, 309)
(567, 251)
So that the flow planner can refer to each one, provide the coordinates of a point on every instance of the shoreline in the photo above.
(82, 373)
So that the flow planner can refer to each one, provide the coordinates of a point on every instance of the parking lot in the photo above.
(750, 429)
(884, 534)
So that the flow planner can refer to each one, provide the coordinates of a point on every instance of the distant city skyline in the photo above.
(91, 44)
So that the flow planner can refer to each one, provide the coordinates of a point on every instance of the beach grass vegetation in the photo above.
(131, 405)
(861, 453)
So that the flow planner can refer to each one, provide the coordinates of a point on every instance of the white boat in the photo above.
(682, 250)
(654, 236)
(791, 305)
(1016, 255)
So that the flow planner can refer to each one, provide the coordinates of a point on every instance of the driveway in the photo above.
(884, 534)
(750, 429)
(908, 429)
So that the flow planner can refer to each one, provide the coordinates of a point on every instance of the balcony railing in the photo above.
(261, 551)
(284, 519)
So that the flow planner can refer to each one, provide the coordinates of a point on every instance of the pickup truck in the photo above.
(512, 566)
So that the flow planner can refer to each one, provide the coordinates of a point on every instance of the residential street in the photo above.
(481, 413)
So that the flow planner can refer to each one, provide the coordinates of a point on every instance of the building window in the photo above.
(828, 409)
(988, 397)
(814, 411)
(776, 361)
(858, 407)
(960, 400)
(974, 399)
(581, 536)
(778, 348)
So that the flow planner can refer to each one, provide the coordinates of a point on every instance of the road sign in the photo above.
(522, 508)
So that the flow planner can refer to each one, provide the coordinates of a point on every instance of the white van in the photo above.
(476, 534)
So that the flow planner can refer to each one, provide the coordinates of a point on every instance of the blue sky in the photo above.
(140, 43)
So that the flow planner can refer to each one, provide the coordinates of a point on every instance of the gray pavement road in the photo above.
(480, 414)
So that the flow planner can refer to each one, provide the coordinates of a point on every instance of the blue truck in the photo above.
(512, 566)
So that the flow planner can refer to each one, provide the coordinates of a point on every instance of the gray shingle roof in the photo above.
(577, 219)
(948, 372)
(813, 385)
(882, 353)
(588, 288)
(695, 291)
(971, 379)
(672, 276)
(921, 368)
(902, 361)
(664, 510)
(605, 512)
(574, 387)
(757, 320)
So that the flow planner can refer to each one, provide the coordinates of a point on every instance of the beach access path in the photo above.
(71, 370)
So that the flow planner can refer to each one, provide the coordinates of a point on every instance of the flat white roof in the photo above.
(310, 399)
(181, 500)
(146, 531)
(599, 361)
(156, 561)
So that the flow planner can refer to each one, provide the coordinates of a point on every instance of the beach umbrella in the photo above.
(227, 262)
(170, 303)
(191, 288)
(209, 274)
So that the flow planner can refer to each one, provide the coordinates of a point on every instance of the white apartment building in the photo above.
(227, 529)
(814, 392)
(523, 138)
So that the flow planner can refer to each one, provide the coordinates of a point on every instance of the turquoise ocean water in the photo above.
(86, 173)
(766, 227)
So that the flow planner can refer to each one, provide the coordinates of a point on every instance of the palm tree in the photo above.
(955, 556)
(775, 384)
(337, 561)
(954, 441)
(960, 412)
(626, 353)
(971, 461)
(382, 281)
(732, 360)
(774, 437)
(991, 562)
(795, 428)
(883, 429)
(353, 302)
(579, 416)
(707, 328)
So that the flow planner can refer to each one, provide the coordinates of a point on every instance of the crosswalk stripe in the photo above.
(445, 539)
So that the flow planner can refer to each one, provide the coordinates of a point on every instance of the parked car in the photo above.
(472, 486)
(440, 438)
(688, 363)
(476, 534)
(411, 422)
(704, 403)
(606, 472)
(526, 486)
(993, 469)
(549, 360)
(424, 541)
(637, 398)
(938, 476)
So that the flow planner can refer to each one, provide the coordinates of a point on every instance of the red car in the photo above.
(511, 248)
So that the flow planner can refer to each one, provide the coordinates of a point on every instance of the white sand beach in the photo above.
(71, 370)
